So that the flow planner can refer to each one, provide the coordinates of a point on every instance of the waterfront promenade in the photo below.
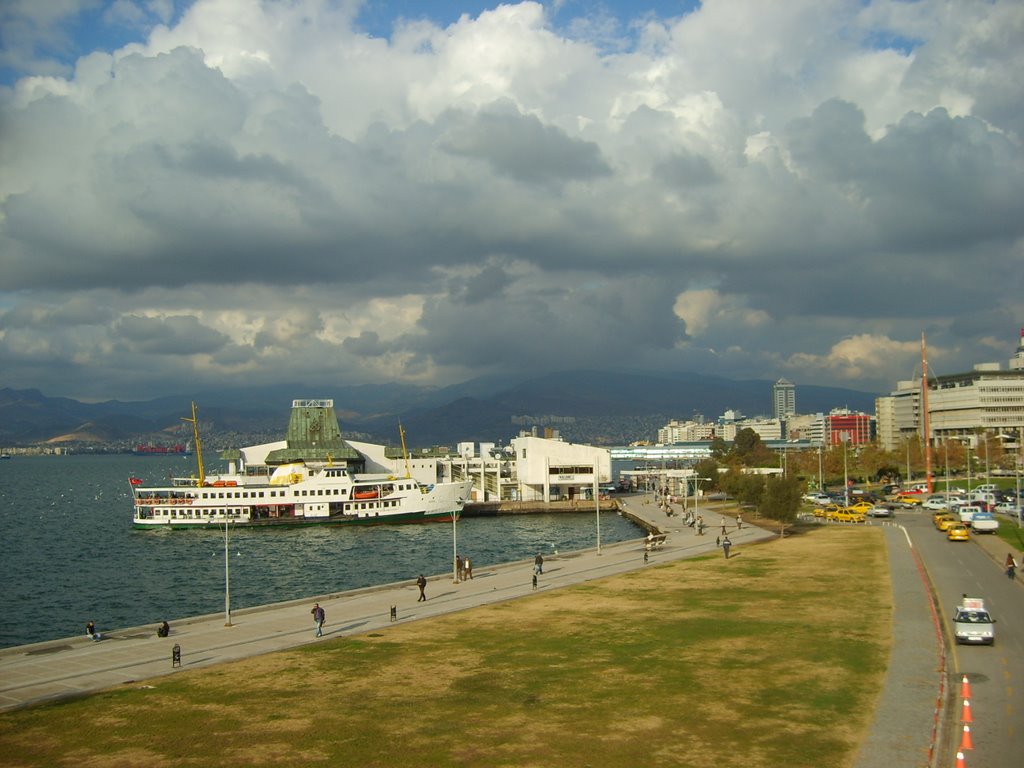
(902, 733)
(75, 666)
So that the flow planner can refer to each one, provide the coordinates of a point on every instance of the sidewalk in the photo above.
(76, 666)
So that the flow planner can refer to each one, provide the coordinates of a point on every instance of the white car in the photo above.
(1007, 508)
(879, 511)
(936, 503)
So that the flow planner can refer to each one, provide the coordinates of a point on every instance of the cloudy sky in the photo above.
(228, 192)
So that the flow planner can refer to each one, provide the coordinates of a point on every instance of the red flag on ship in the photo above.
(135, 480)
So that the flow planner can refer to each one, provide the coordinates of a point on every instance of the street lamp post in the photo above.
(845, 438)
(227, 575)
(696, 492)
(455, 547)
(597, 509)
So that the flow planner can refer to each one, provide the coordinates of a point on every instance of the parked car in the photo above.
(848, 515)
(1008, 508)
(984, 522)
(938, 501)
(910, 499)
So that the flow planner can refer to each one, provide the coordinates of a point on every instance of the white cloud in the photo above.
(747, 189)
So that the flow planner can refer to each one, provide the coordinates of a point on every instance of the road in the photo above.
(995, 674)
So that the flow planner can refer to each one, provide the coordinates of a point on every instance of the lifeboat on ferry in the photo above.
(365, 494)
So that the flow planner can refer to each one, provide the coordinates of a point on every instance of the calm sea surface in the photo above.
(69, 552)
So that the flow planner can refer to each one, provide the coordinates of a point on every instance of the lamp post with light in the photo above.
(227, 575)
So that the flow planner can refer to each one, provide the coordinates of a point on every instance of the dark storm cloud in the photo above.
(522, 148)
(167, 336)
(751, 189)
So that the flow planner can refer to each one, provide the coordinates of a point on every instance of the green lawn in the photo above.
(769, 659)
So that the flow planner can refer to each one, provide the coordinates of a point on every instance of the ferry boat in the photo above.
(314, 477)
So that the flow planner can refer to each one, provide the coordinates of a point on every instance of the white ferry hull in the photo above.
(251, 505)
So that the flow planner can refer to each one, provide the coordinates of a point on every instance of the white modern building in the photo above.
(530, 469)
(988, 399)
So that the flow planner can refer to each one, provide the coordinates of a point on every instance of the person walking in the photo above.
(421, 582)
(467, 568)
(739, 522)
(726, 544)
(458, 568)
(538, 564)
(319, 615)
(1011, 566)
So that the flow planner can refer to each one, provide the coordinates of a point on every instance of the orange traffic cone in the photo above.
(965, 742)
(967, 712)
(960, 760)
(965, 689)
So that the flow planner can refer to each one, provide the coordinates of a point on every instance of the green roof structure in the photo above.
(314, 435)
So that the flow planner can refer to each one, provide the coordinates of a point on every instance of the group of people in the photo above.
(463, 568)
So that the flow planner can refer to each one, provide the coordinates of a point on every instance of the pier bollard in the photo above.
(394, 613)
(176, 656)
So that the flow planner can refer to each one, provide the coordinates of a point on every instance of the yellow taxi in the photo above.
(861, 506)
(944, 521)
(957, 532)
(910, 499)
(848, 515)
(828, 511)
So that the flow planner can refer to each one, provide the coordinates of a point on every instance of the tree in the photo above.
(707, 468)
(747, 443)
(781, 499)
(719, 448)
(746, 489)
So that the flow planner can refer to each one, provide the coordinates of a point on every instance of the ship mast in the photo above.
(405, 453)
(924, 414)
(199, 446)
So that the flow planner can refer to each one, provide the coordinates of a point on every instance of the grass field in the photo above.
(771, 658)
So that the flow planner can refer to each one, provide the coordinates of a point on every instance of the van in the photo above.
(967, 512)
(986, 488)
(986, 500)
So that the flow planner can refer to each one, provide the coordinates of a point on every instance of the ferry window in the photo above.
(261, 494)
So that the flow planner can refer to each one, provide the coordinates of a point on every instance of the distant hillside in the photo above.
(479, 410)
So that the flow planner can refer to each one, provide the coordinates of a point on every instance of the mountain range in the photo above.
(603, 407)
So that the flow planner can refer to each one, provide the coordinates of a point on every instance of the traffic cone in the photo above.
(965, 689)
(967, 712)
(960, 760)
(965, 742)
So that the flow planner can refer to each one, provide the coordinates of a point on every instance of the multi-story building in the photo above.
(987, 399)
(530, 469)
(685, 432)
(843, 425)
(783, 399)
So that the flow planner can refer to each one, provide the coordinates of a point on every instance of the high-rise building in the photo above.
(784, 399)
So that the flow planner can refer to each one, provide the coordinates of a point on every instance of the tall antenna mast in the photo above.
(924, 415)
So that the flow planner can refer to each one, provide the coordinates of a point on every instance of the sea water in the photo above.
(69, 553)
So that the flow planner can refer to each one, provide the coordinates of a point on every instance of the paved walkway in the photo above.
(901, 735)
(76, 666)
